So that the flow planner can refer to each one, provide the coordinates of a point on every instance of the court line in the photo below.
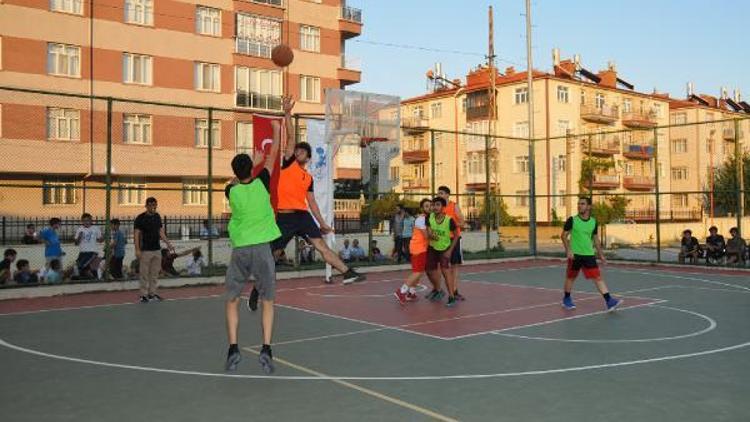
(420, 288)
(381, 378)
(671, 275)
(323, 337)
(366, 391)
(711, 326)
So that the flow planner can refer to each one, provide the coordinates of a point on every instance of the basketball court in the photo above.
(676, 350)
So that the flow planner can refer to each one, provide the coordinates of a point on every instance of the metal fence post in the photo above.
(4, 238)
(108, 192)
(432, 162)
(487, 219)
(658, 196)
(210, 204)
(739, 174)
(295, 260)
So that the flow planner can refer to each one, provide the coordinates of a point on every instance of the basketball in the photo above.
(282, 55)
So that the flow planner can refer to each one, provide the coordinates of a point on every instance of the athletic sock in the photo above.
(266, 348)
(404, 288)
(233, 348)
(606, 296)
(412, 290)
(567, 295)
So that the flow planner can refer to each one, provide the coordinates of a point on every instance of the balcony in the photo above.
(639, 119)
(674, 215)
(251, 47)
(606, 114)
(350, 22)
(638, 150)
(350, 71)
(605, 181)
(277, 3)
(477, 113)
(728, 134)
(415, 124)
(416, 184)
(416, 156)
(258, 101)
(639, 182)
(601, 146)
(477, 183)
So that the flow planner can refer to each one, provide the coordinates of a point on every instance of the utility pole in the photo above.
(532, 175)
(492, 98)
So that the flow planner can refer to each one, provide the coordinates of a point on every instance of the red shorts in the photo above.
(587, 263)
(418, 263)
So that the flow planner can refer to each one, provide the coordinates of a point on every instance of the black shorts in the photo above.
(298, 223)
(585, 262)
(436, 259)
(457, 257)
(85, 259)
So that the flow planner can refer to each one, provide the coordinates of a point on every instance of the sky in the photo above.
(660, 44)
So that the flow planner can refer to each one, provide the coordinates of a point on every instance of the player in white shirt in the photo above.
(87, 238)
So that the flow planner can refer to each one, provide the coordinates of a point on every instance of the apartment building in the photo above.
(213, 53)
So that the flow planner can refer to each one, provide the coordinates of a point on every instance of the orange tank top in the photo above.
(450, 211)
(419, 241)
(294, 182)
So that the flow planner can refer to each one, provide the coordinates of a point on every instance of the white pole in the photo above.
(532, 176)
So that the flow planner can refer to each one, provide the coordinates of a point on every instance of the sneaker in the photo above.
(252, 302)
(411, 297)
(431, 295)
(439, 295)
(400, 296)
(143, 299)
(154, 298)
(451, 301)
(233, 359)
(266, 361)
(328, 280)
(613, 303)
(568, 304)
(352, 276)
(459, 296)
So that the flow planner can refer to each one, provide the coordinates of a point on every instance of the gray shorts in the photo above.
(256, 261)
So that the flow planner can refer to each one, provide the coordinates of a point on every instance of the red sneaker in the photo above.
(400, 296)
(411, 297)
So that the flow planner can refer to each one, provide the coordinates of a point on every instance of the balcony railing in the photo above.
(639, 182)
(605, 114)
(250, 47)
(728, 134)
(477, 113)
(418, 155)
(351, 14)
(601, 145)
(639, 119)
(677, 214)
(638, 150)
(351, 63)
(415, 124)
(419, 183)
(258, 101)
(271, 2)
(605, 181)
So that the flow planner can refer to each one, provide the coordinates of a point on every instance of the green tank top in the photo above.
(442, 231)
(253, 221)
(581, 242)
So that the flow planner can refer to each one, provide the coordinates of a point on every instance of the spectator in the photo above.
(689, 248)
(51, 239)
(346, 252)
(206, 233)
(407, 233)
(736, 247)
(358, 254)
(6, 266)
(377, 254)
(55, 274)
(398, 232)
(148, 232)
(196, 264)
(135, 266)
(24, 275)
(715, 245)
(167, 261)
(87, 236)
(306, 251)
(31, 237)
(117, 244)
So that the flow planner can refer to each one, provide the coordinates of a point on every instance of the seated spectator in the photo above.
(167, 261)
(6, 265)
(715, 246)
(24, 275)
(346, 252)
(736, 247)
(31, 237)
(206, 233)
(55, 273)
(689, 248)
(196, 263)
(377, 255)
(358, 254)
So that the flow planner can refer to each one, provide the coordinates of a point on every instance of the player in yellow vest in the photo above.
(443, 240)
(453, 211)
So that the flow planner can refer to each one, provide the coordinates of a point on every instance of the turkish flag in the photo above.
(262, 140)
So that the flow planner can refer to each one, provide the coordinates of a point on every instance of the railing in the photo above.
(649, 214)
(271, 2)
(728, 134)
(604, 114)
(415, 122)
(252, 47)
(416, 155)
(351, 63)
(351, 14)
(639, 119)
(258, 101)
(602, 146)
(420, 183)
(605, 181)
(479, 112)
(638, 149)
(639, 182)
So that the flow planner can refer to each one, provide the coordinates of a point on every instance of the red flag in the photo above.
(262, 140)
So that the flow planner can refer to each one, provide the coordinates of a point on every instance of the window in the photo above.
(521, 130)
(208, 21)
(563, 95)
(583, 97)
(131, 191)
(395, 173)
(599, 100)
(521, 96)
(437, 110)
(136, 129)
(562, 127)
(656, 109)
(244, 138)
(257, 35)
(194, 192)
(679, 118)
(258, 88)
(271, 2)
(309, 89)
(561, 198)
(679, 200)
(628, 169)
(140, 12)
(59, 191)
(136, 69)
(302, 134)
(679, 173)
(463, 105)
(309, 38)
(208, 77)
(67, 6)
(522, 200)
(521, 164)
(559, 163)
(679, 146)
(63, 60)
(660, 168)
(201, 133)
(63, 124)
(627, 105)
(438, 169)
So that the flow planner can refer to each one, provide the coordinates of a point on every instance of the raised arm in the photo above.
(291, 142)
(270, 160)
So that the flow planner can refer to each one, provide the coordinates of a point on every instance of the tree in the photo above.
(497, 214)
(384, 207)
(725, 186)
(591, 166)
(608, 211)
